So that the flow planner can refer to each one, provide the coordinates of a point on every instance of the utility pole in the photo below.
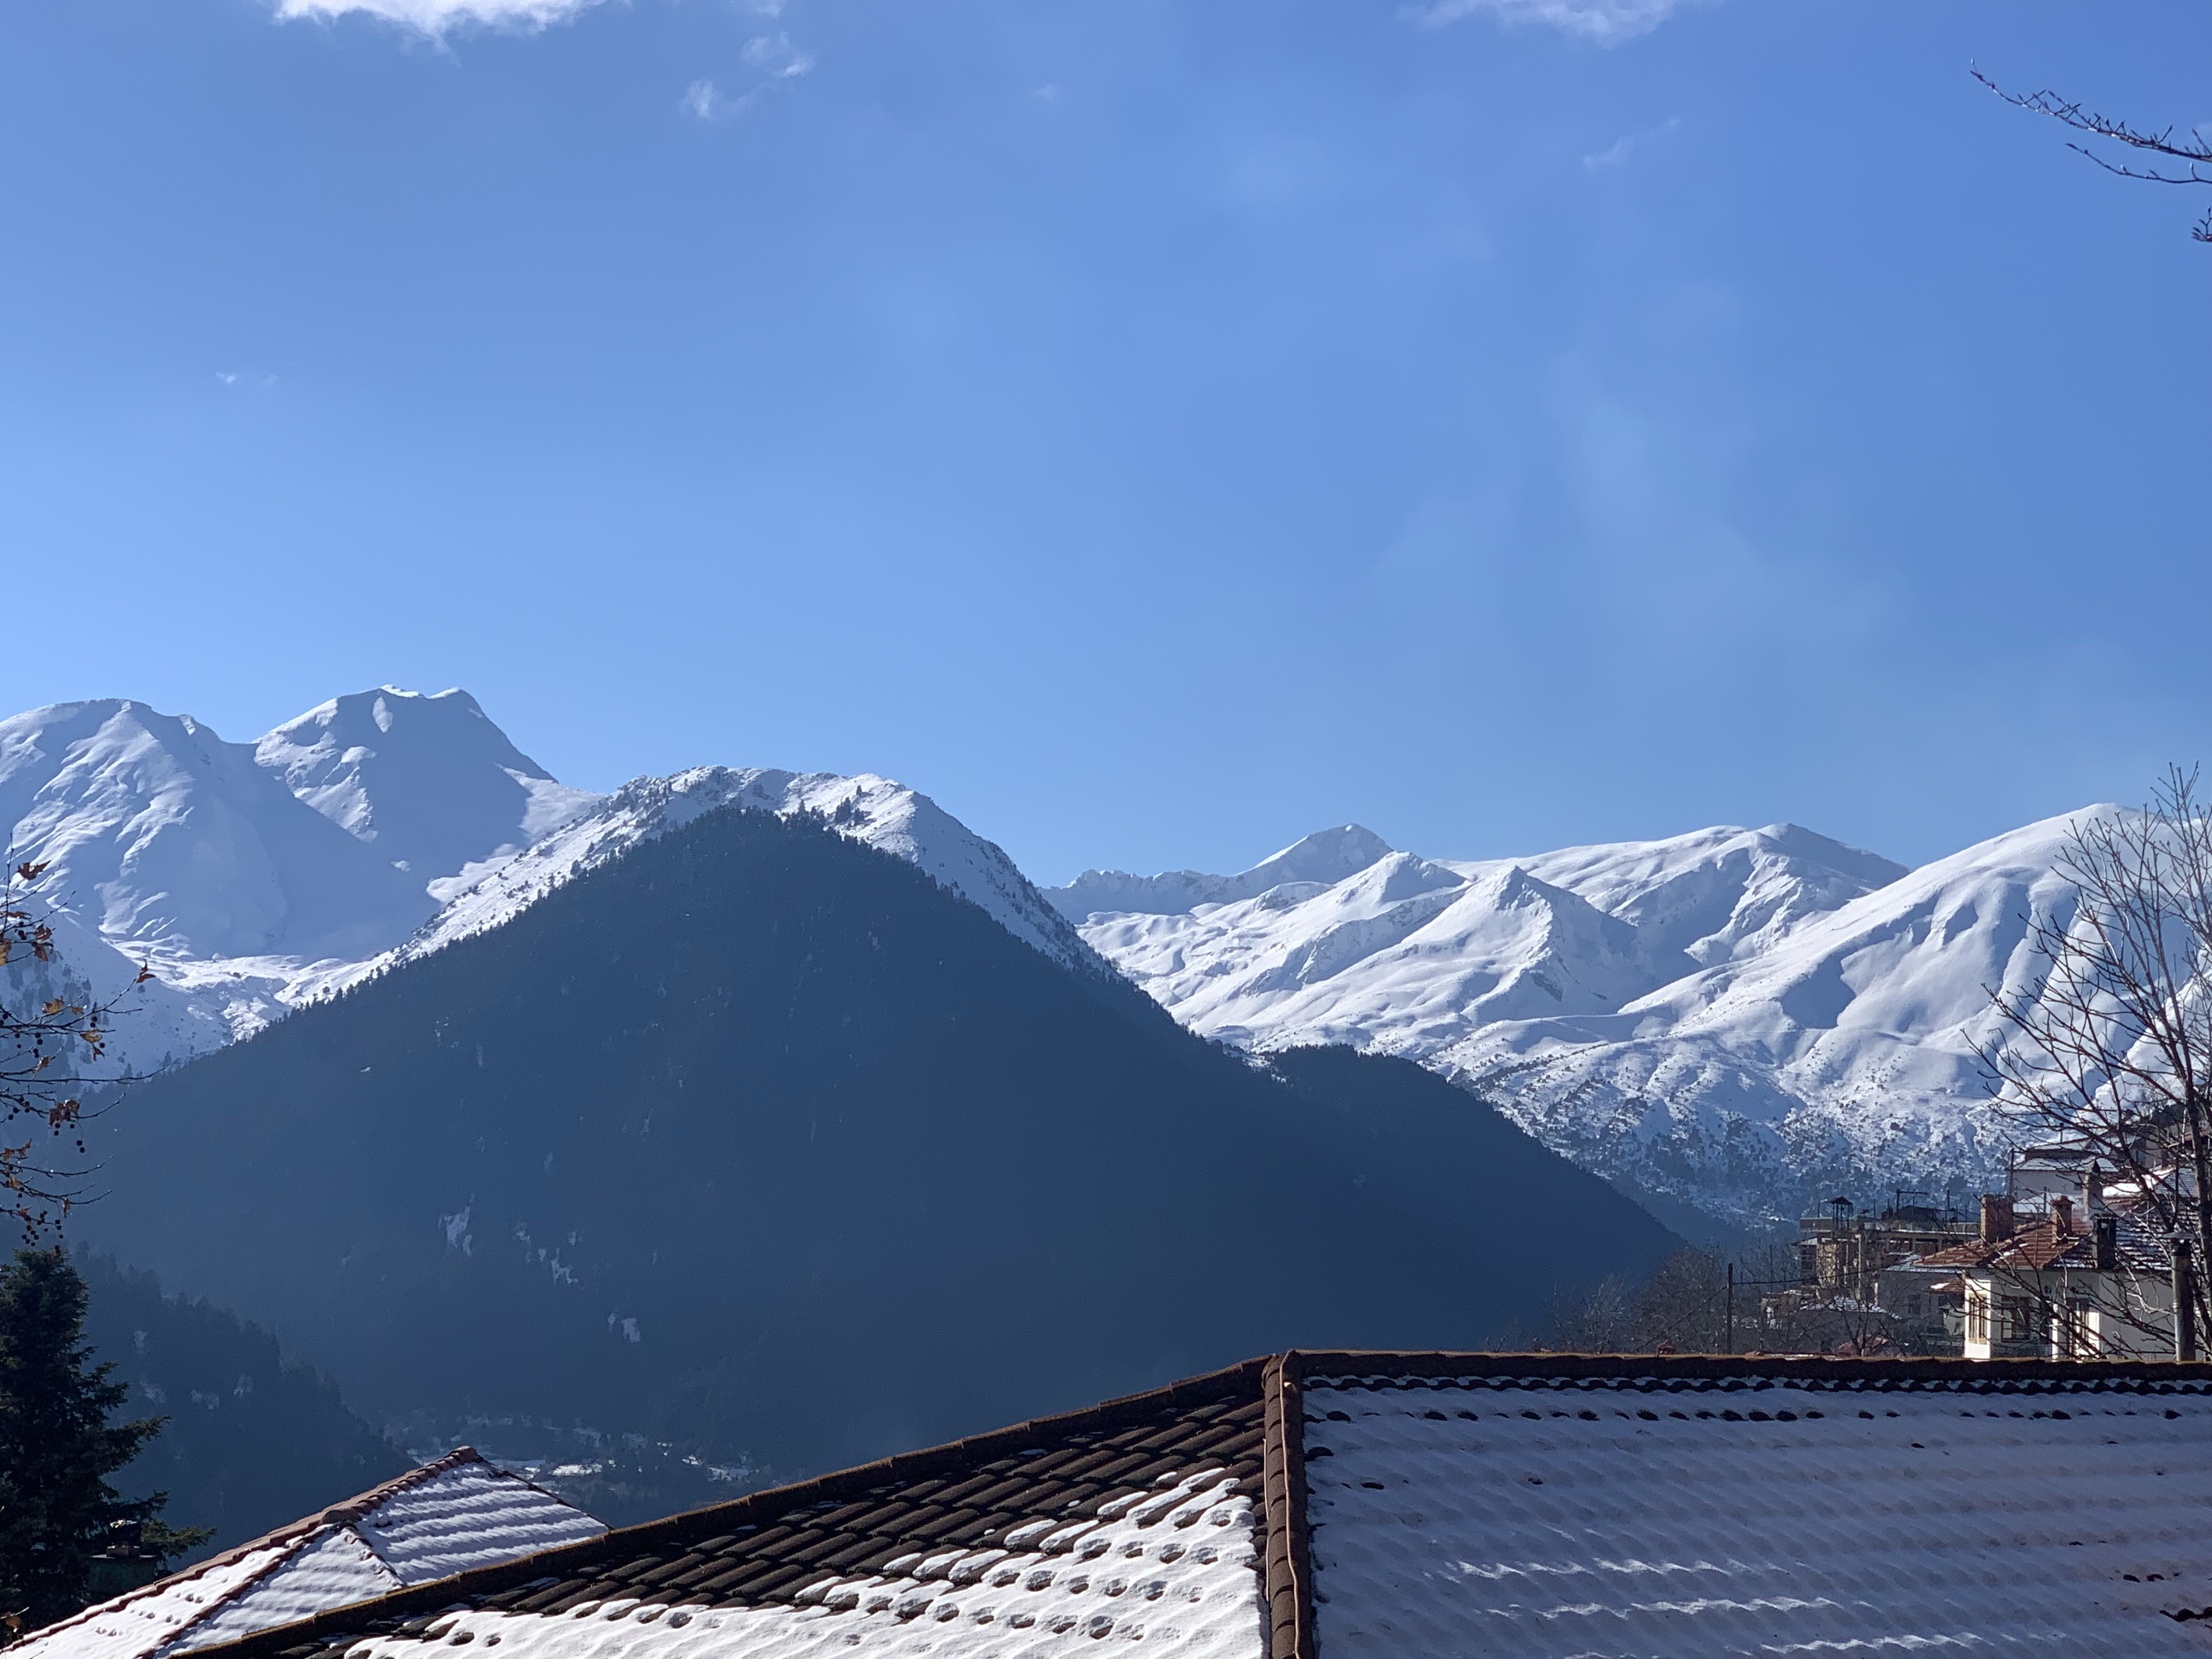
(1729, 1340)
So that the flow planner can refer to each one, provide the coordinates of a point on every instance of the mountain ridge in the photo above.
(1766, 1016)
(1647, 1008)
(251, 878)
(758, 1141)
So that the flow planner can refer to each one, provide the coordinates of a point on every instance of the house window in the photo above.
(2078, 1340)
(1978, 1314)
(2016, 1319)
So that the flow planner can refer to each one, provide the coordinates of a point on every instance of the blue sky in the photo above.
(1155, 428)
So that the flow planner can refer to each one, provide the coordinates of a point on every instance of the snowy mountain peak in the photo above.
(428, 780)
(1488, 970)
(1326, 856)
(376, 826)
(1716, 893)
(876, 810)
(160, 834)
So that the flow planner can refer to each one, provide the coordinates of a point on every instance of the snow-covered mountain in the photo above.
(250, 878)
(873, 811)
(243, 874)
(1742, 1020)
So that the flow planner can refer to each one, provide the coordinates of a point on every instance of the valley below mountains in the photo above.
(757, 1148)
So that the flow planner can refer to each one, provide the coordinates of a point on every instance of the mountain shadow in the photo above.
(756, 1146)
(253, 1440)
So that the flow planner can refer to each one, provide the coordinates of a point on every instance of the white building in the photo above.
(2070, 1281)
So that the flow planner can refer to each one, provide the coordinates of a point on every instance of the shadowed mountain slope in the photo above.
(756, 1142)
(254, 1439)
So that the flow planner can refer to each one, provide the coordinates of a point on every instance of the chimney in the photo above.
(1996, 1218)
(2105, 1229)
(2093, 1189)
(2184, 1302)
(2062, 1215)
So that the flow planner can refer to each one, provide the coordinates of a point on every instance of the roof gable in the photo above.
(455, 1513)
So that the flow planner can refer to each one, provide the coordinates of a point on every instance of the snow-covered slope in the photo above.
(429, 782)
(874, 811)
(1399, 953)
(1840, 1056)
(250, 878)
(1741, 1019)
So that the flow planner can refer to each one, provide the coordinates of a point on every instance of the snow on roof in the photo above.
(1748, 1515)
(1137, 1519)
(444, 1517)
(2041, 1246)
(1175, 1571)
(1371, 1506)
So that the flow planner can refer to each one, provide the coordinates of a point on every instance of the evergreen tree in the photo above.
(56, 1449)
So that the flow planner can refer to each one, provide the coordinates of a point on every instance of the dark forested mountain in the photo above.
(253, 1440)
(758, 1144)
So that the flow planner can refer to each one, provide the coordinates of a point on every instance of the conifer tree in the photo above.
(57, 1449)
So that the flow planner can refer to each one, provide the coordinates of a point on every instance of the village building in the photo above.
(2065, 1280)
(1382, 1506)
(444, 1518)
(1861, 1267)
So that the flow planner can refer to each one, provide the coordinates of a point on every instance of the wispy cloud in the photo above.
(1609, 22)
(770, 54)
(435, 17)
(1621, 149)
(705, 102)
(774, 54)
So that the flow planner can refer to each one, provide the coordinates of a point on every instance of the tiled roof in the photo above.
(1397, 1504)
(445, 1518)
(1754, 1514)
(2040, 1247)
(1139, 1514)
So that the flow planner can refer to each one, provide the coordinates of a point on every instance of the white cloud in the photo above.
(770, 54)
(706, 101)
(1609, 22)
(776, 54)
(1621, 149)
(435, 17)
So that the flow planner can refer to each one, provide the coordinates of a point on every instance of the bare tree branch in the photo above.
(2107, 1053)
(2191, 147)
(53, 1050)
